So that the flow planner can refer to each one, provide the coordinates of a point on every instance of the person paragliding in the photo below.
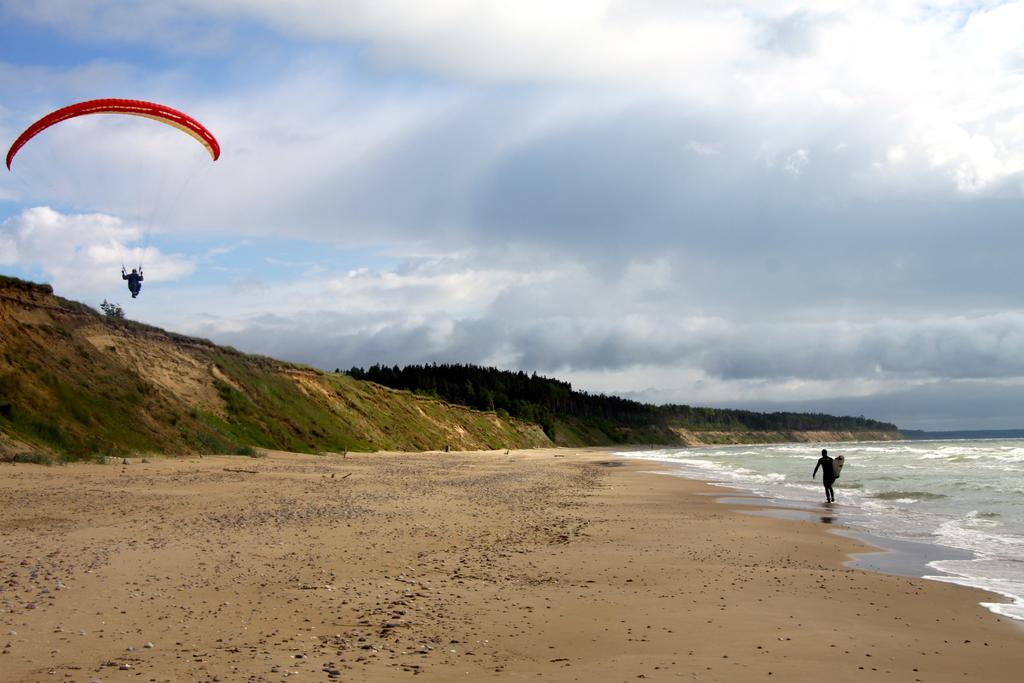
(134, 280)
(123, 107)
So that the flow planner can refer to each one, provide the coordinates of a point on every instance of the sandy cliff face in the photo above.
(73, 382)
(171, 368)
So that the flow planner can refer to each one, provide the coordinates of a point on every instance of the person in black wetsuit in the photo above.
(827, 475)
(134, 281)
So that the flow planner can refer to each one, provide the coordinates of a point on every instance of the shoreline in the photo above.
(887, 555)
(883, 554)
(903, 549)
(562, 564)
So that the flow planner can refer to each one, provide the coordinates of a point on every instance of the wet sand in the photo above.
(538, 565)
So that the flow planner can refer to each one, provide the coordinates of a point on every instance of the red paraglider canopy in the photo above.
(151, 110)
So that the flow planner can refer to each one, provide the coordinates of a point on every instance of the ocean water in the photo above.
(963, 494)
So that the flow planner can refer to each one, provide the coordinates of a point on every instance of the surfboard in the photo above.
(837, 465)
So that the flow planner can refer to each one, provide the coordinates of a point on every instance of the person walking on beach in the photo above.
(827, 475)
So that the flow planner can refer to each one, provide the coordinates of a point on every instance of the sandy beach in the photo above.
(536, 565)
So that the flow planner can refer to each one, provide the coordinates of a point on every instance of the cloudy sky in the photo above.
(781, 205)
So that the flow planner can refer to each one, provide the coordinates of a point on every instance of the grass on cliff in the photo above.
(63, 394)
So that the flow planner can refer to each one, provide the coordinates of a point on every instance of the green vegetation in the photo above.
(579, 417)
(76, 384)
(111, 310)
(34, 457)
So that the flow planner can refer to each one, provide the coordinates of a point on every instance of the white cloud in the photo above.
(82, 253)
(944, 74)
(638, 328)
(437, 291)
(795, 162)
(909, 59)
(701, 149)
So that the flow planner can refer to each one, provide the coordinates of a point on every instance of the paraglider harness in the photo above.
(134, 280)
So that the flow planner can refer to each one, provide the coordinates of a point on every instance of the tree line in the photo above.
(544, 400)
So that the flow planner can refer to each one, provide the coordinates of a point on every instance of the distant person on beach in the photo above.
(134, 281)
(827, 475)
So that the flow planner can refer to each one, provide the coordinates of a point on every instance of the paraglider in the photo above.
(149, 110)
(139, 108)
